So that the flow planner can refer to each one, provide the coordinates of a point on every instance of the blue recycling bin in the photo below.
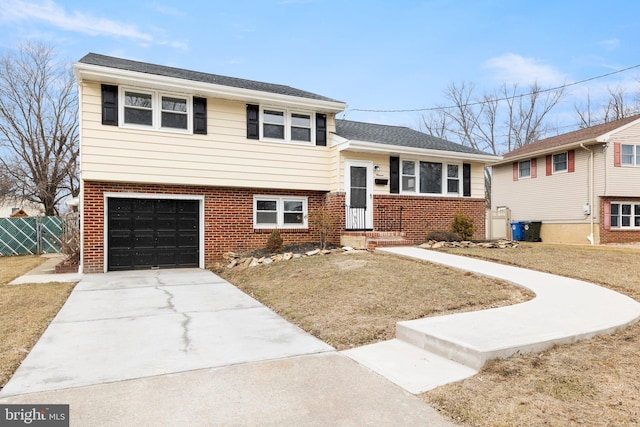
(517, 231)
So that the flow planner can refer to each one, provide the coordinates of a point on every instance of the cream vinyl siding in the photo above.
(555, 198)
(382, 160)
(623, 181)
(223, 157)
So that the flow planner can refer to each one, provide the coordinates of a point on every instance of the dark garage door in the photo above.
(150, 233)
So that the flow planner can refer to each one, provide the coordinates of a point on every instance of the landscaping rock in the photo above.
(287, 256)
(314, 252)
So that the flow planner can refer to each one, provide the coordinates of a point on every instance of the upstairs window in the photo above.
(524, 169)
(630, 154)
(287, 126)
(138, 108)
(156, 110)
(174, 113)
(273, 124)
(300, 127)
(560, 163)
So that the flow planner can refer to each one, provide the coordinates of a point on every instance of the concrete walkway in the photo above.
(434, 351)
(185, 347)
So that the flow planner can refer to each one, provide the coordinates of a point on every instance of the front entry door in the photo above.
(359, 195)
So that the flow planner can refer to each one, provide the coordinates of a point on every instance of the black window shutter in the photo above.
(394, 168)
(253, 122)
(321, 129)
(466, 180)
(200, 115)
(110, 105)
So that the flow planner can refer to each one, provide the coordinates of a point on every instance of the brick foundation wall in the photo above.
(228, 219)
(421, 215)
(617, 235)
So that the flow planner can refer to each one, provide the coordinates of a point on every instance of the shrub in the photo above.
(443, 236)
(325, 221)
(463, 225)
(274, 242)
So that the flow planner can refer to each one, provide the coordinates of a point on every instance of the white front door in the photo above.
(358, 178)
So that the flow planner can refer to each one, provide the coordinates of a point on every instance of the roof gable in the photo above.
(571, 138)
(397, 136)
(161, 70)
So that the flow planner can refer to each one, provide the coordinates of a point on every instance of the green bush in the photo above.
(274, 242)
(463, 225)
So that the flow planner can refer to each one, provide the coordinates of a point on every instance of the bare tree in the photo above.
(39, 125)
(494, 122)
(618, 105)
(6, 185)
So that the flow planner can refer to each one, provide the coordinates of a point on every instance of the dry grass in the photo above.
(594, 382)
(351, 299)
(25, 311)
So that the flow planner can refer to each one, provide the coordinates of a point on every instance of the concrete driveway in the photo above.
(184, 347)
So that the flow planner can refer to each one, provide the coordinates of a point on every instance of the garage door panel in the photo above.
(153, 233)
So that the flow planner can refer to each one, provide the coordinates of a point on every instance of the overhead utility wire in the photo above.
(413, 110)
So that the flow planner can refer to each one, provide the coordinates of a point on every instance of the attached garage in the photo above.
(145, 233)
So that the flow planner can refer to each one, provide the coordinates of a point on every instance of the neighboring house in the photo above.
(11, 205)
(584, 186)
(179, 167)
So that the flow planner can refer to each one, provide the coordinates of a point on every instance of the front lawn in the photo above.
(25, 311)
(355, 299)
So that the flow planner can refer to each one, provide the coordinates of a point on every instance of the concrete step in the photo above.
(409, 367)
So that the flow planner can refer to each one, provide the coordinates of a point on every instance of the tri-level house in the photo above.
(178, 167)
(584, 186)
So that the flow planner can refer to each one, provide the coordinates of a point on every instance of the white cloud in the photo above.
(511, 69)
(48, 11)
(610, 44)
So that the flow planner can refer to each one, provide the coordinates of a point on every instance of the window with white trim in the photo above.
(408, 175)
(279, 212)
(287, 125)
(430, 178)
(560, 162)
(453, 179)
(625, 215)
(155, 110)
(524, 169)
(630, 154)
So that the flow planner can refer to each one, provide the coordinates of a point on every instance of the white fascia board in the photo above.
(372, 147)
(96, 73)
(540, 153)
(605, 137)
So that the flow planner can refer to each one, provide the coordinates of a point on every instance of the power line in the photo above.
(566, 85)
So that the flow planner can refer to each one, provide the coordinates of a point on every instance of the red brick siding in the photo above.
(421, 215)
(616, 235)
(228, 219)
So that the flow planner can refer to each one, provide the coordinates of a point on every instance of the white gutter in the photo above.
(372, 147)
(590, 237)
(97, 73)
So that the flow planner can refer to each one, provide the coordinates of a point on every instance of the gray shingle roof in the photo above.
(161, 70)
(397, 135)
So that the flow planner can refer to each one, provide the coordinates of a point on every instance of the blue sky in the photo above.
(376, 55)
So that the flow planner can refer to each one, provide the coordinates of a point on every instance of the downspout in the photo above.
(591, 186)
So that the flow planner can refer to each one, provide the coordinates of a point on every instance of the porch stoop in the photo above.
(371, 240)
